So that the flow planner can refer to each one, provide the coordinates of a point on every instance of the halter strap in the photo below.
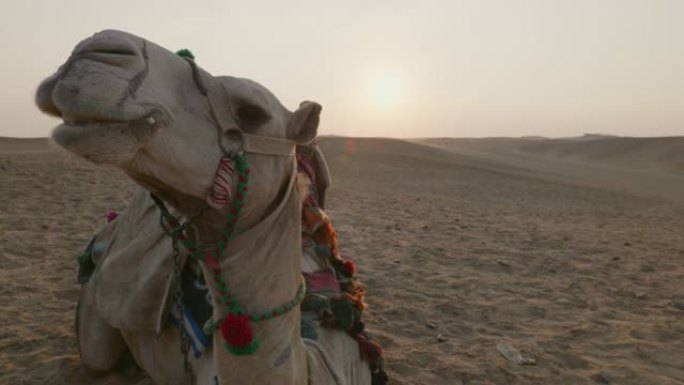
(253, 144)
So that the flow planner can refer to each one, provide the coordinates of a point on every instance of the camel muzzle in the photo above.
(116, 64)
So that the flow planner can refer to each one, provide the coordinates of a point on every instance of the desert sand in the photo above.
(571, 251)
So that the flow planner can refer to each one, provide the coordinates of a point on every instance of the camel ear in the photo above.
(303, 125)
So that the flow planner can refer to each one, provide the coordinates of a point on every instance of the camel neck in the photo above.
(262, 269)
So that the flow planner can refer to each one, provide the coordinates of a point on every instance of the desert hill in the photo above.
(651, 166)
(26, 145)
(662, 153)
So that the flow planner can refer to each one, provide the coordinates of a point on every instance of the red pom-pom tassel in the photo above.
(211, 261)
(350, 266)
(237, 330)
(111, 215)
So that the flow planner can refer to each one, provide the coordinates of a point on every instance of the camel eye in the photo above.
(251, 115)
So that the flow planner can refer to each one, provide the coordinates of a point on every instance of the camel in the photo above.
(218, 152)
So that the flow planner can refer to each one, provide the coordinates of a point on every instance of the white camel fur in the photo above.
(132, 104)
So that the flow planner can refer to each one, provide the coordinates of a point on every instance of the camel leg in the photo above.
(161, 358)
(115, 378)
(344, 353)
(100, 345)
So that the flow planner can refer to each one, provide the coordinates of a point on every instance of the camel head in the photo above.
(167, 123)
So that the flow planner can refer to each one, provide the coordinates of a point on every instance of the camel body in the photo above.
(166, 123)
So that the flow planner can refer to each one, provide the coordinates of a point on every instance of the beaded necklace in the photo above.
(235, 326)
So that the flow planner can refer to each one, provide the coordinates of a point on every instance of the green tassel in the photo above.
(345, 314)
(247, 350)
(84, 259)
(309, 328)
(185, 53)
(315, 302)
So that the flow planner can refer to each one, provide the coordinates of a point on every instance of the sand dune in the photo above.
(476, 245)
(637, 153)
(646, 166)
(19, 145)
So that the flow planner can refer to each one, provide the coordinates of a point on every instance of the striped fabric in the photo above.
(198, 340)
(220, 194)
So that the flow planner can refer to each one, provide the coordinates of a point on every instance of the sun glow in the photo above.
(384, 89)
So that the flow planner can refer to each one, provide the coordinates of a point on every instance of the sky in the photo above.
(397, 68)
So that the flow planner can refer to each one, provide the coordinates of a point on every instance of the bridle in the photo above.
(221, 114)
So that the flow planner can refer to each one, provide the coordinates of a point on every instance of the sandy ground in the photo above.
(575, 264)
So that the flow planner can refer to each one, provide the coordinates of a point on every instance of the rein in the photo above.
(235, 326)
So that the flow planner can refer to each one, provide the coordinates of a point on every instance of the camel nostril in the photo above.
(107, 44)
(105, 50)
(109, 47)
(115, 52)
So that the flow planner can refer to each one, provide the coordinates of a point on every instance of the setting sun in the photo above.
(384, 88)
